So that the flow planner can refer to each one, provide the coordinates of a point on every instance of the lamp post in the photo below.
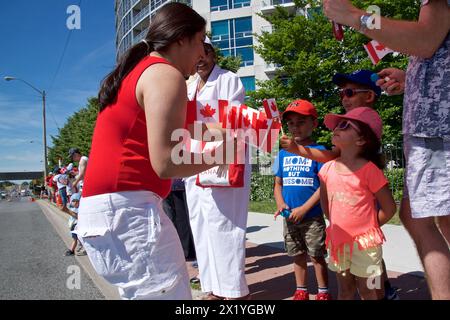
(42, 93)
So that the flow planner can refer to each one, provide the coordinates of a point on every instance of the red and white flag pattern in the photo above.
(236, 116)
(211, 111)
(376, 51)
(270, 106)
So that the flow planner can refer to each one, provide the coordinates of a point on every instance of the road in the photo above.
(33, 265)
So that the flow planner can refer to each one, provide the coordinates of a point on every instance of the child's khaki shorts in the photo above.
(362, 263)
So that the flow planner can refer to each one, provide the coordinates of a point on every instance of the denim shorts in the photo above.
(427, 176)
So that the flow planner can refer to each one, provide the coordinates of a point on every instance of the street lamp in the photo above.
(42, 93)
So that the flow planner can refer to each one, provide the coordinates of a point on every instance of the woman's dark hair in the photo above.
(372, 149)
(172, 22)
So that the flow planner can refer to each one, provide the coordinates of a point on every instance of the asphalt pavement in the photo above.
(33, 265)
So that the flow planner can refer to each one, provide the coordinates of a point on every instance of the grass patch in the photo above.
(269, 207)
(266, 206)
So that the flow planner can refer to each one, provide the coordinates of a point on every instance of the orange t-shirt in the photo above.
(352, 207)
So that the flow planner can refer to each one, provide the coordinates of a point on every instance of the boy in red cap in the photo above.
(297, 192)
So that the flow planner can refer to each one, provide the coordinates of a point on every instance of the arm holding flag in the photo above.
(164, 121)
(318, 155)
(418, 38)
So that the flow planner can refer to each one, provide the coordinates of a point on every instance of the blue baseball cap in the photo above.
(361, 77)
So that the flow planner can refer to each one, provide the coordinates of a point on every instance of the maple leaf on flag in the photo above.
(273, 106)
(376, 51)
(207, 111)
(247, 121)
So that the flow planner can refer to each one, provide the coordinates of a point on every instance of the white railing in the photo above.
(143, 13)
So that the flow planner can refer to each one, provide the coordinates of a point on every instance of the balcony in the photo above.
(139, 36)
(271, 68)
(141, 15)
(268, 6)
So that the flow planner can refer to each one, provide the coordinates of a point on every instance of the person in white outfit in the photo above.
(218, 216)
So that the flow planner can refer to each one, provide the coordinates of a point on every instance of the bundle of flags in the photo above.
(266, 124)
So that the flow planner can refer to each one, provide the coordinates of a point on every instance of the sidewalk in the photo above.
(269, 270)
(270, 275)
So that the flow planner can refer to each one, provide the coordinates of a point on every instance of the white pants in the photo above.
(132, 244)
(218, 219)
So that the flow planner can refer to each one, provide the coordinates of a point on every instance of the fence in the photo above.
(262, 176)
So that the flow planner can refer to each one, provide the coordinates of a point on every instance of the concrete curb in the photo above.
(58, 220)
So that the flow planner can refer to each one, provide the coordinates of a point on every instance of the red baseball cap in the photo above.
(302, 107)
(365, 115)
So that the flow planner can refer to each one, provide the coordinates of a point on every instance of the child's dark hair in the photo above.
(372, 149)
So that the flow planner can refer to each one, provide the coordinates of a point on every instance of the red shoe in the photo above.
(301, 295)
(323, 296)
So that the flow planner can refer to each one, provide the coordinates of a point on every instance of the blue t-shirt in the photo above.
(300, 179)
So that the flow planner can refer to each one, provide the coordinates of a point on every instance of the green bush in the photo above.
(261, 187)
(395, 177)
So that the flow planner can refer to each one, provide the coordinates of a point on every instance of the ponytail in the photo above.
(372, 148)
(110, 85)
(172, 22)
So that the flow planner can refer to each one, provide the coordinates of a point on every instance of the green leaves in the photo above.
(308, 56)
(77, 132)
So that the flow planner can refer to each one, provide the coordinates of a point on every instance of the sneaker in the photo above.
(301, 295)
(323, 296)
(69, 253)
(391, 294)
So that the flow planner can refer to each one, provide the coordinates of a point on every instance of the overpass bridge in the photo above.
(24, 175)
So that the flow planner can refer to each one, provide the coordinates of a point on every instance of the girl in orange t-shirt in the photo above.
(351, 187)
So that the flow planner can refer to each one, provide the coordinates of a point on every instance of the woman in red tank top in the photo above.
(127, 236)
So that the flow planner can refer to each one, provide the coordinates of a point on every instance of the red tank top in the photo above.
(119, 159)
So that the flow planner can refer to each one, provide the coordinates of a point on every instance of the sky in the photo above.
(34, 34)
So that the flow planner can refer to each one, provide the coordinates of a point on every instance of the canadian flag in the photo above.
(232, 116)
(270, 106)
(206, 111)
(248, 118)
(268, 131)
(376, 51)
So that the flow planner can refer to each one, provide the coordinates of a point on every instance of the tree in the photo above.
(76, 133)
(308, 56)
(230, 63)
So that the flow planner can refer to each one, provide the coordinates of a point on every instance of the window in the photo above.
(221, 5)
(234, 37)
(218, 5)
(249, 83)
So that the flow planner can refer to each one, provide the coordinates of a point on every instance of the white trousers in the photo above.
(132, 244)
(218, 218)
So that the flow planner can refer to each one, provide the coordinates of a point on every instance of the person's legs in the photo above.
(366, 292)
(432, 248)
(346, 285)
(444, 226)
(314, 235)
(182, 224)
(321, 270)
(300, 270)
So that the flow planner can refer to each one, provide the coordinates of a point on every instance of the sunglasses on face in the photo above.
(351, 92)
(345, 124)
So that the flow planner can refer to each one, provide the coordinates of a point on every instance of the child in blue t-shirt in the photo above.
(297, 189)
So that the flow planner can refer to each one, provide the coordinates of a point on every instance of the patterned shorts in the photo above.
(427, 176)
(307, 236)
